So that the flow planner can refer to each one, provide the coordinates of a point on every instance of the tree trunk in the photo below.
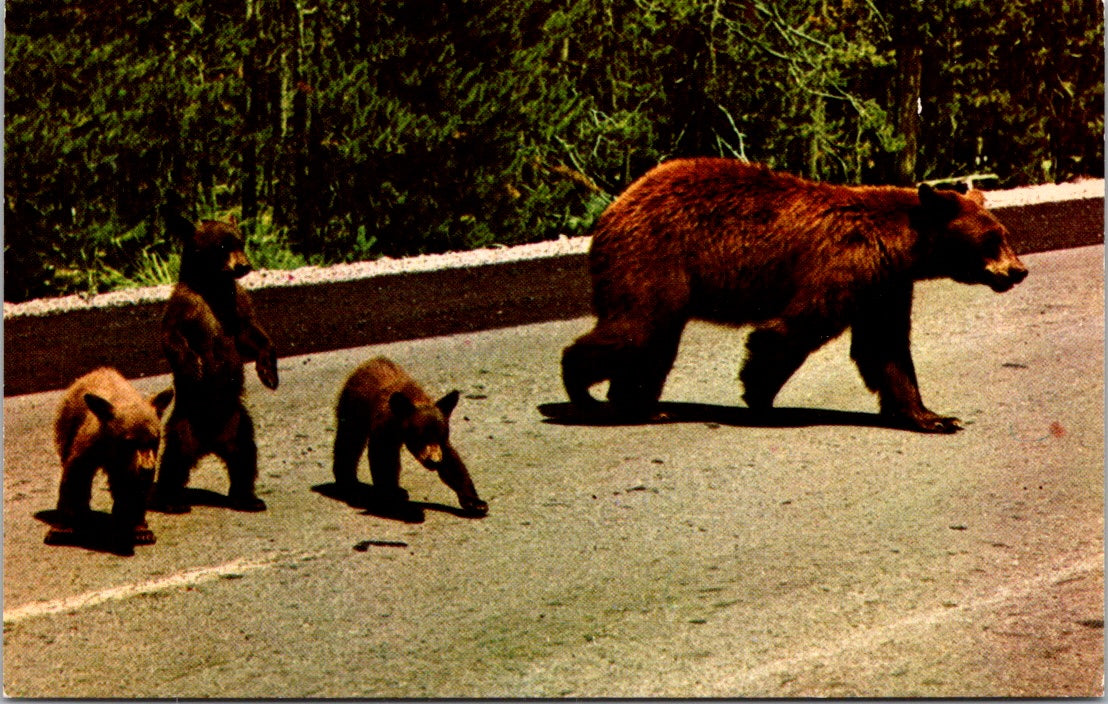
(907, 101)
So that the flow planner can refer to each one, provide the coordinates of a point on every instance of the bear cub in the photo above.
(208, 332)
(104, 423)
(801, 261)
(382, 406)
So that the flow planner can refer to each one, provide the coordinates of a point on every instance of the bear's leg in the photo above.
(588, 361)
(641, 371)
(454, 474)
(350, 443)
(74, 496)
(384, 468)
(180, 453)
(635, 356)
(130, 492)
(239, 452)
(774, 352)
(880, 347)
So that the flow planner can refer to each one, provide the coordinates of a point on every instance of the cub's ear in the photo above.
(233, 220)
(100, 407)
(161, 400)
(447, 403)
(938, 205)
(401, 405)
(976, 196)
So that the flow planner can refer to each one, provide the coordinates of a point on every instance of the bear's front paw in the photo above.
(474, 507)
(266, 366)
(928, 422)
(247, 502)
(60, 535)
(142, 535)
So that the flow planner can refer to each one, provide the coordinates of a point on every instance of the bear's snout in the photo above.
(145, 460)
(430, 454)
(1003, 278)
(238, 264)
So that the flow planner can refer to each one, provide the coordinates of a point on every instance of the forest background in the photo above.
(340, 131)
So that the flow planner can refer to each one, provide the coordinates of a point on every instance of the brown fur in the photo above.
(740, 244)
(208, 332)
(382, 406)
(104, 423)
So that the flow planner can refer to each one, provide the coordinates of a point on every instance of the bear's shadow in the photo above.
(603, 415)
(199, 497)
(95, 534)
(366, 498)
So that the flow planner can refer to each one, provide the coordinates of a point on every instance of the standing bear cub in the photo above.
(208, 331)
(104, 423)
(737, 243)
(382, 406)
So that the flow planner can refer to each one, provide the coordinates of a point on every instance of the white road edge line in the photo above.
(181, 579)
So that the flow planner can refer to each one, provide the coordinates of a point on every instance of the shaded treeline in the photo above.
(346, 130)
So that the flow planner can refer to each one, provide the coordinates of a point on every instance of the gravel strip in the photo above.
(1085, 188)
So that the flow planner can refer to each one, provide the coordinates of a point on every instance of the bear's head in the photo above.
(961, 240)
(130, 429)
(426, 433)
(212, 250)
(426, 426)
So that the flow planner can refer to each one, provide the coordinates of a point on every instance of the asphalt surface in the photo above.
(810, 552)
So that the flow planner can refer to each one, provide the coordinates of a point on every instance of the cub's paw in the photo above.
(475, 507)
(60, 535)
(757, 400)
(247, 502)
(142, 535)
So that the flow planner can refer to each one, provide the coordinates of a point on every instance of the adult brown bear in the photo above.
(738, 243)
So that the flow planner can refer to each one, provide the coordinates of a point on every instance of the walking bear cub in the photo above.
(208, 331)
(104, 423)
(382, 406)
(737, 243)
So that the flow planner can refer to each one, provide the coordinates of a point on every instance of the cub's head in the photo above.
(963, 241)
(130, 430)
(426, 426)
(211, 250)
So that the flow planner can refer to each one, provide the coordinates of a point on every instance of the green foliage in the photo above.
(344, 131)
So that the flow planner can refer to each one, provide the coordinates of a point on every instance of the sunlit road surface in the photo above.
(809, 552)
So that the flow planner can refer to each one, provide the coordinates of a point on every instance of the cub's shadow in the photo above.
(603, 415)
(200, 497)
(96, 533)
(370, 501)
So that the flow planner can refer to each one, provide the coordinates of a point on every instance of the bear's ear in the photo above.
(938, 205)
(233, 220)
(100, 407)
(447, 403)
(179, 226)
(401, 405)
(161, 401)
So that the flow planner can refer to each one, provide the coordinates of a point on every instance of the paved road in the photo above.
(811, 553)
